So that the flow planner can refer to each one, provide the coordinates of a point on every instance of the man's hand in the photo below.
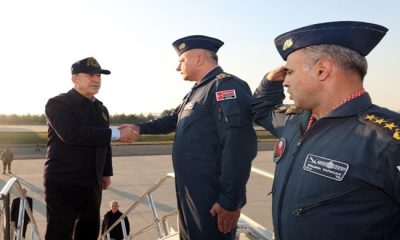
(129, 133)
(106, 182)
(227, 220)
(278, 74)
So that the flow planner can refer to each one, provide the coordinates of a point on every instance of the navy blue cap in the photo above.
(361, 37)
(88, 65)
(197, 41)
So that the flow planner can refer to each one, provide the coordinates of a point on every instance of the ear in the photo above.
(323, 69)
(74, 78)
(200, 59)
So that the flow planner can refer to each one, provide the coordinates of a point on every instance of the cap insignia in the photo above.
(288, 43)
(182, 46)
(92, 62)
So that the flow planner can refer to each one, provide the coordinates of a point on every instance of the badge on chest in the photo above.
(325, 167)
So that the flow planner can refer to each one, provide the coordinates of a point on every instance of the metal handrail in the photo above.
(5, 213)
(145, 195)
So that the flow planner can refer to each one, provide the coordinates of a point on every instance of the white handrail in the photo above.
(5, 198)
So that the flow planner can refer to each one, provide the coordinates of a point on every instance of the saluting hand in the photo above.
(227, 220)
(278, 74)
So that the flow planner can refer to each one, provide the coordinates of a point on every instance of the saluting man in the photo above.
(214, 143)
(337, 162)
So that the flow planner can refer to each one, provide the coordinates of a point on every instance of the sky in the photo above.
(40, 39)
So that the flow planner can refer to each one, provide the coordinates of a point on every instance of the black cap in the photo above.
(197, 41)
(361, 37)
(88, 65)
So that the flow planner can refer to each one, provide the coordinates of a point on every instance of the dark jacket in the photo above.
(109, 219)
(15, 210)
(213, 148)
(78, 148)
(338, 180)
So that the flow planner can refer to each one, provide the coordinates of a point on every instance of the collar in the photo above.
(209, 76)
(353, 107)
(79, 98)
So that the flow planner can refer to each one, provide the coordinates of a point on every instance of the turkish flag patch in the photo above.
(279, 149)
(226, 95)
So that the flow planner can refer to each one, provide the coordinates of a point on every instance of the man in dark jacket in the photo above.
(214, 142)
(78, 162)
(15, 212)
(338, 161)
(110, 218)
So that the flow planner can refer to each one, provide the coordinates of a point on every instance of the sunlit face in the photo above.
(87, 84)
(114, 207)
(300, 81)
(187, 65)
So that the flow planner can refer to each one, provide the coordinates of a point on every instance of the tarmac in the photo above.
(136, 169)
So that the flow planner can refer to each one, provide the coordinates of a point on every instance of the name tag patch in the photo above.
(326, 167)
(225, 95)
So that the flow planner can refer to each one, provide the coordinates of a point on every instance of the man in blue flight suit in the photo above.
(214, 143)
(78, 164)
(338, 160)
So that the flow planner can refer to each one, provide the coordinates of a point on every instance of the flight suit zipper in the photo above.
(304, 209)
(299, 142)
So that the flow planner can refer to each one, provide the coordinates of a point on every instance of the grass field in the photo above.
(32, 138)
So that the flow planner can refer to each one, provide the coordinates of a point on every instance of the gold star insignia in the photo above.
(390, 125)
(396, 135)
(370, 117)
(380, 121)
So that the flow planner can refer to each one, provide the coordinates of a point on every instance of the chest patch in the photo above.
(225, 95)
(279, 149)
(326, 167)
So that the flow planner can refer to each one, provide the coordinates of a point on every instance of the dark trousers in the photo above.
(73, 212)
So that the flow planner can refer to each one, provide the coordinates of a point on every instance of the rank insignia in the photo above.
(287, 44)
(225, 95)
(279, 149)
(222, 75)
(105, 116)
(388, 125)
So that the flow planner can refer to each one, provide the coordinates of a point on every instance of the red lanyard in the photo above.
(356, 94)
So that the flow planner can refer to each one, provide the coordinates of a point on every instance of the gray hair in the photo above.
(348, 60)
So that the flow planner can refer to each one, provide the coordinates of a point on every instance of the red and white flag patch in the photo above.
(226, 95)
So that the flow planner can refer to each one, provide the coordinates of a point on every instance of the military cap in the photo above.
(361, 37)
(88, 65)
(197, 41)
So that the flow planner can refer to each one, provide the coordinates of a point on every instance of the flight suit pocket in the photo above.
(231, 113)
(324, 199)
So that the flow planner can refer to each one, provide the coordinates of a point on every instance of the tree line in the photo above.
(40, 119)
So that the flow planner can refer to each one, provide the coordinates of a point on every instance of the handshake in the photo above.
(129, 133)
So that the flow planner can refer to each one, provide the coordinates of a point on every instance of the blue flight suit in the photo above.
(338, 180)
(214, 145)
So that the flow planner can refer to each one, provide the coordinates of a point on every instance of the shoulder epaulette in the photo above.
(223, 75)
(288, 109)
(390, 126)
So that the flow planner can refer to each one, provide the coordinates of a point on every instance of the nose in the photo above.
(178, 68)
(286, 82)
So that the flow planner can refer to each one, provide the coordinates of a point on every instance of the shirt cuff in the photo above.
(115, 134)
